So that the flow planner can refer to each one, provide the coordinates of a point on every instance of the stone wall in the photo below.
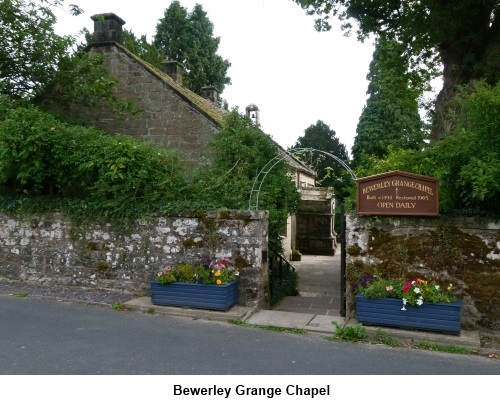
(463, 251)
(51, 250)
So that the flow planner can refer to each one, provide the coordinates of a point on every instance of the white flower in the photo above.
(436, 287)
(420, 301)
(405, 301)
(416, 290)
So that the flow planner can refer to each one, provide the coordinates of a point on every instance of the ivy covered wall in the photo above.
(461, 251)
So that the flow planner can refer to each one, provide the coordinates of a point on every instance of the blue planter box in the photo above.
(442, 317)
(202, 296)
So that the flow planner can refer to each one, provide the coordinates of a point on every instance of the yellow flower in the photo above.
(219, 282)
(217, 273)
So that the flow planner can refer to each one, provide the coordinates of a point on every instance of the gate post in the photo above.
(342, 262)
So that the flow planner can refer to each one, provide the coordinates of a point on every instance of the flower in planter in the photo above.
(414, 292)
(216, 271)
(166, 275)
(213, 271)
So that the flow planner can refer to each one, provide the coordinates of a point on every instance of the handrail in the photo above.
(280, 259)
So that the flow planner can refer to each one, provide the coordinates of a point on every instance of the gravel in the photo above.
(88, 295)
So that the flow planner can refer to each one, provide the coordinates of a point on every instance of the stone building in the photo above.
(170, 115)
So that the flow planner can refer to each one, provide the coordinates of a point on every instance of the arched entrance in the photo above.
(316, 264)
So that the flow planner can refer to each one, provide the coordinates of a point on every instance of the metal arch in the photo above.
(342, 163)
(254, 194)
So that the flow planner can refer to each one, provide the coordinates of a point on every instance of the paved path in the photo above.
(319, 287)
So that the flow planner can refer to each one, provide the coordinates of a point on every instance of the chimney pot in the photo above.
(174, 69)
(210, 93)
(108, 28)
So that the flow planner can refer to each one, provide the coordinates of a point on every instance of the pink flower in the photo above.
(167, 268)
(389, 288)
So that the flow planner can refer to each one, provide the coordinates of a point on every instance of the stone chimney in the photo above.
(174, 69)
(252, 112)
(107, 28)
(210, 93)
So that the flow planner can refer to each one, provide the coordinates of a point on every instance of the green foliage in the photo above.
(415, 292)
(120, 306)
(330, 173)
(117, 176)
(354, 333)
(166, 276)
(188, 39)
(122, 179)
(82, 79)
(240, 151)
(296, 331)
(441, 348)
(466, 162)
(459, 27)
(36, 63)
(143, 49)
(22, 294)
(186, 272)
(382, 337)
(29, 47)
(476, 136)
(390, 117)
(287, 285)
(215, 271)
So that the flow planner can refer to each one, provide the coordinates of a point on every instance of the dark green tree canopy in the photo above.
(143, 49)
(390, 117)
(188, 38)
(465, 34)
(321, 137)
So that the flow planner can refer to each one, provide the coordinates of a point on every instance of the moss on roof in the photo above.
(206, 107)
(209, 109)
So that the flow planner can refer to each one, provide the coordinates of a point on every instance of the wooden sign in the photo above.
(398, 193)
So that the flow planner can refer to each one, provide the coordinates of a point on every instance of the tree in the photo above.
(464, 34)
(29, 47)
(37, 65)
(466, 161)
(143, 49)
(240, 151)
(390, 117)
(330, 174)
(188, 39)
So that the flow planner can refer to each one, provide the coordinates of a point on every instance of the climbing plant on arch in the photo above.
(253, 203)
